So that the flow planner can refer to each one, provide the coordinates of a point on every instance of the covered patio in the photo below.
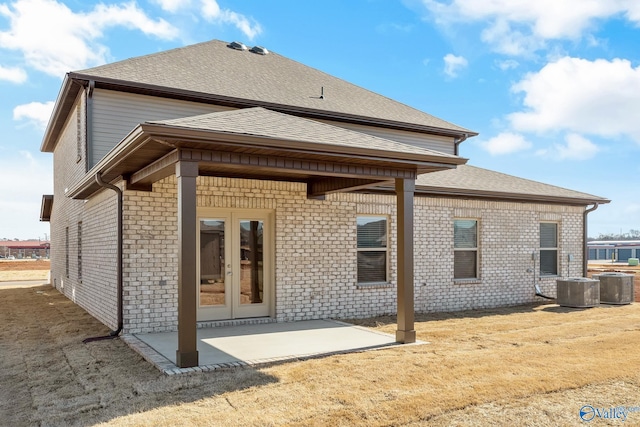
(262, 343)
(258, 143)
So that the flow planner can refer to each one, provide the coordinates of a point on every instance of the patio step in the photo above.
(236, 322)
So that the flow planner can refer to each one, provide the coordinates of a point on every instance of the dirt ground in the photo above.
(24, 265)
(16, 270)
(535, 365)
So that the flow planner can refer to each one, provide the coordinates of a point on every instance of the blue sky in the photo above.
(553, 87)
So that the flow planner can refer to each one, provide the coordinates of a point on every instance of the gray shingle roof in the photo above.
(473, 181)
(269, 80)
(261, 122)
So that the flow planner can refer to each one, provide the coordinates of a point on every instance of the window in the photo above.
(66, 251)
(465, 249)
(372, 249)
(80, 251)
(548, 249)
(78, 134)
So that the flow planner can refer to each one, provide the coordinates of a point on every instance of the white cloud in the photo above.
(13, 74)
(212, 12)
(507, 64)
(506, 143)
(173, 6)
(55, 40)
(577, 95)
(453, 64)
(520, 26)
(36, 113)
(577, 147)
(20, 204)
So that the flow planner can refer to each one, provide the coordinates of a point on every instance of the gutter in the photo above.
(114, 334)
(585, 249)
(457, 142)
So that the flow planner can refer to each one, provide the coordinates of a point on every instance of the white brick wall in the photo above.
(315, 245)
(95, 290)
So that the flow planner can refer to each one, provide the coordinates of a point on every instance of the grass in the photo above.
(528, 365)
(21, 270)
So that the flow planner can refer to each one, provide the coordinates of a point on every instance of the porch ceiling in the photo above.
(261, 144)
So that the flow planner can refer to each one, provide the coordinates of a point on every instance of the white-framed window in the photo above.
(548, 249)
(373, 253)
(80, 251)
(79, 138)
(66, 251)
(465, 249)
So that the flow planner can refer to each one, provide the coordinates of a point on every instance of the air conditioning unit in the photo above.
(616, 288)
(578, 292)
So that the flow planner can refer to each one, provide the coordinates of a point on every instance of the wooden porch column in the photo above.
(187, 353)
(404, 192)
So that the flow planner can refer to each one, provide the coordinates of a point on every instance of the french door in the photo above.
(235, 277)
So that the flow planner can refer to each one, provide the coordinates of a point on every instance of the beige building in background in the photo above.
(214, 184)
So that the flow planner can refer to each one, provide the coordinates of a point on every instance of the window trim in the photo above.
(80, 251)
(556, 249)
(66, 252)
(78, 134)
(476, 249)
(382, 249)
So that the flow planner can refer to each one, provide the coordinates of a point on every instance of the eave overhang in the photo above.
(149, 151)
(46, 207)
(427, 191)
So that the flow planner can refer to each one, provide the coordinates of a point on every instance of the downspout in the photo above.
(89, 125)
(585, 253)
(114, 334)
(457, 142)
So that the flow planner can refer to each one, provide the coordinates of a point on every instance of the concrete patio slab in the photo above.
(255, 344)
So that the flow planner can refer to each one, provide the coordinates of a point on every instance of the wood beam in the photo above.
(405, 189)
(161, 168)
(321, 187)
(187, 352)
(259, 163)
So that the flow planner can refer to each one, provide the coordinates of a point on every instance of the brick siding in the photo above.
(315, 247)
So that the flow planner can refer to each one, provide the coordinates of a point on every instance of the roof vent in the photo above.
(260, 50)
(237, 46)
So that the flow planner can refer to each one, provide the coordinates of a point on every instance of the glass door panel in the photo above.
(251, 262)
(235, 277)
(213, 290)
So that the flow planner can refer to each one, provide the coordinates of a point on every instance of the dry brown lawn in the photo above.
(17, 270)
(530, 365)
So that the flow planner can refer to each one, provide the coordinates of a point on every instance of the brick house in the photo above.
(214, 182)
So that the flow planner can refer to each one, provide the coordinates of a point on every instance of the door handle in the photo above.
(229, 273)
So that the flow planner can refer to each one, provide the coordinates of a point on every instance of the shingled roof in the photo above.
(261, 122)
(213, 72)
(214, 68)
(471, 181)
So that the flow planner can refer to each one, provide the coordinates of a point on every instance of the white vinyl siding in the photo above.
(442, 144)
(115, 114)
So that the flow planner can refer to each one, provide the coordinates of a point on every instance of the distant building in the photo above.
(622, 250)
(25, 248)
